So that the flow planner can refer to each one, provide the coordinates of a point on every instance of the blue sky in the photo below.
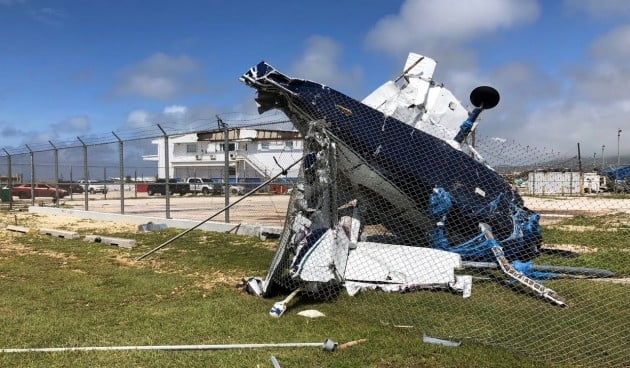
(72, 68)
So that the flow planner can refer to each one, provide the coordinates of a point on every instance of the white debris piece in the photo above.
(311, 313)
(391, 267)
(326, 260)
(463, 284)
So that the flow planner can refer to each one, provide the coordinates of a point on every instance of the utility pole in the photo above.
(121, 167)
(86, 175)
(167, 189)
(618, 139)
(32, 154)
(56, 153)
(226, 169)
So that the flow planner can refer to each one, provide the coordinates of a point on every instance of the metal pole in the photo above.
(167, 192)
(603, 146)
(167, 347)
(86, 175)
(135, 185)
(32, 154)
(618, 139)
(581, 183)
(284, 172)
(226, 167)
(10, 182)
(56, 153)
(71, 184)
(121, 166)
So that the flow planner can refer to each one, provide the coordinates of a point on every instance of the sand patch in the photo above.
(24, 250)
(212, 280)
(624, 281)
(570, 248)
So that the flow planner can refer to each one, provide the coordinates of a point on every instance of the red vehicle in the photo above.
(41, 190)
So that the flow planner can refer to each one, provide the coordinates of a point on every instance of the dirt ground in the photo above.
(271, 209)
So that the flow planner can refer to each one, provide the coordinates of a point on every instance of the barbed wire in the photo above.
(152, 131)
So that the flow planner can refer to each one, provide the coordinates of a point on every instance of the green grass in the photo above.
(61, 293)
(610, 241)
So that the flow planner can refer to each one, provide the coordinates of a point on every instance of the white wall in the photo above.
(561, 183)
(258, 153)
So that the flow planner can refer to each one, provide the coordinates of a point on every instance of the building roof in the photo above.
(240, 134)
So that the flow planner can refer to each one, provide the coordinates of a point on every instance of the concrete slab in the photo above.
(221, 227)
(121, 242)
(150, 226)
(19, 229)
(60, 233)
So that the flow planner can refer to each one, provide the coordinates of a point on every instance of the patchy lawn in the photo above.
(64, 293)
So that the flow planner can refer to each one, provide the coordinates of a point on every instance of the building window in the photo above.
(231, 146)
(191, 148)
(288, 145)
(264, 146)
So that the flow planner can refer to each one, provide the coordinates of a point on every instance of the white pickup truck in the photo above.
(94, 186)
(203, 186)
(207, 186)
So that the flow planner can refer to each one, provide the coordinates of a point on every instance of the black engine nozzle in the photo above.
(484, 97)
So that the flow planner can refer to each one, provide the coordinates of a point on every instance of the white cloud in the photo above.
(586, 104)
(607, 77)
(75, 124)
(137, 118)
(428, 24)
(160, 77)
(613, 46)
(599, 8)
(175, 110)
(49, 16)
(320, 62)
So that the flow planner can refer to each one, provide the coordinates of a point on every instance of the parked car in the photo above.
(236, 189)
(70, 187)
(41, 190)
(94, 186)
(203, 185)
(175, 185)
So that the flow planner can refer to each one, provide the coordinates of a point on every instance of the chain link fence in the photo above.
(498, 243)
(126, 171)
(464, 238)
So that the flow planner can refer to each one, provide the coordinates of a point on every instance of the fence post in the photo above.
(226, 168)
(121, 166)
(167, 192)
(10, 182)
(56, 154)
(71, 184)
(86, 174)
(32, 154)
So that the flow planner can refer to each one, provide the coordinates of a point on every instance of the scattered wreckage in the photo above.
(391, 196)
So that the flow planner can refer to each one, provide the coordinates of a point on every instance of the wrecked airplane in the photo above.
(391, 195)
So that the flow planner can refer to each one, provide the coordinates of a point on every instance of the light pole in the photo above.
(618, 138)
